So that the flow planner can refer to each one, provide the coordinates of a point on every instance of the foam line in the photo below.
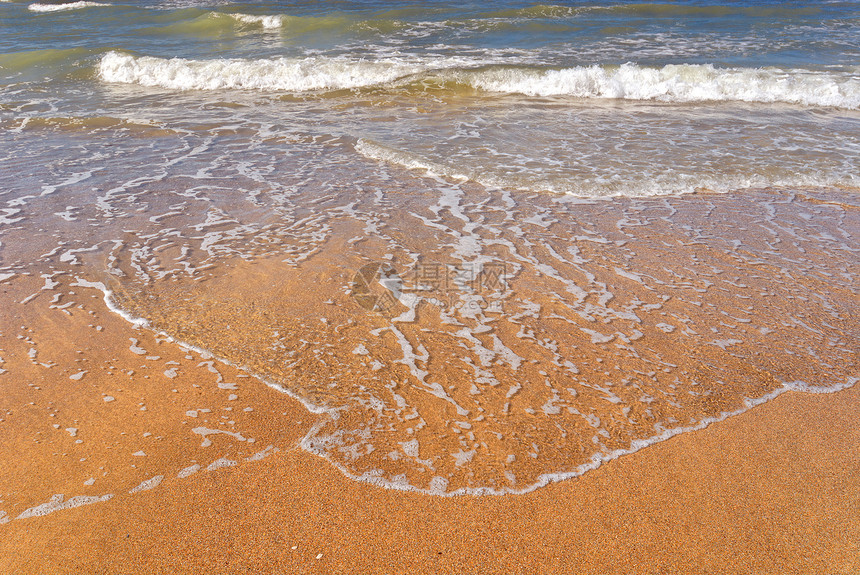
(141, 322)
(596, 461)
(37, 7)
(671, 83)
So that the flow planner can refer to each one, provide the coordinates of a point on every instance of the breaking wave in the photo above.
(674, 83)
(38, 7)
(271, 22)
(278, 74)
(671, 83)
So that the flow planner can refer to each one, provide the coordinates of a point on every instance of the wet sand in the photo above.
(130, 453)
(616, 325)
(773, 490)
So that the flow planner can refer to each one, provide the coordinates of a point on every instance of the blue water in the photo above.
(812, 35)
(576, 78)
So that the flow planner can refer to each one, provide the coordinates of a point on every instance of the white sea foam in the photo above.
(140, 322)
(439, 485)
(37, 7)
(108, 299)
(137, 322)
(675, 83)
(669, 181)
(671, 83)
(275, 74)
(190, 470)
(267, 22)
(204, 432)
(410, 161)
(220, 464)
(260, 455)
(56, 504)
(148, 484)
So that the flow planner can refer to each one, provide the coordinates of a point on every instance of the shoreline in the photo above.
(365, 288)
(543, 481)
(182, 463)
(733, 498)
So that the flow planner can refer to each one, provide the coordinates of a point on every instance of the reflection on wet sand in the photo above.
(490, 343)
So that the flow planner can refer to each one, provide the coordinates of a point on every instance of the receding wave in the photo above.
(86, 125)
(669, 181)
(379, 152)
(39, 7)
(672, 83)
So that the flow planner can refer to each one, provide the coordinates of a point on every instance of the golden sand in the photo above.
(771, 491)
(126, 452)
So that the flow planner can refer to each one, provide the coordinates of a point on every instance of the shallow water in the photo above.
(492, 244)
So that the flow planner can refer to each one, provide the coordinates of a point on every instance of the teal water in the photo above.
(816, 35)
(438, 86)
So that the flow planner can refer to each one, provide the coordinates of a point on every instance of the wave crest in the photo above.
(38, 7)
(277, 74)
(280, 74)
(272, 22)
(672, 83)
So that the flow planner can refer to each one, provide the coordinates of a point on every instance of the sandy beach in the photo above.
(448, 288)
(771, 491)
(204, 470)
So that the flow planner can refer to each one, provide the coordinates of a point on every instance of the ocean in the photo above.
(488, 245)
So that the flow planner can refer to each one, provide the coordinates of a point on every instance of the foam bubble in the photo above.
(56, 504)
(148, 484)
(38, 7)
(267, 22)
(220, 463)
(190, 470)
(675, 83)
(204, 432)
(276, 74)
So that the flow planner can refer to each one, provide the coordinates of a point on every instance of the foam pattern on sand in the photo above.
(515, 363)
(451, 327)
